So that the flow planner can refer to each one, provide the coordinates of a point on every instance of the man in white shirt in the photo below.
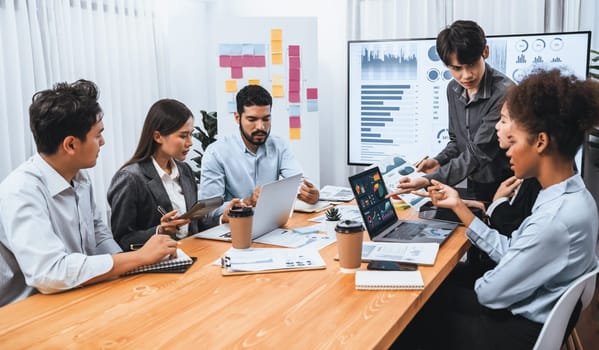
(237, 165)
(52, 237)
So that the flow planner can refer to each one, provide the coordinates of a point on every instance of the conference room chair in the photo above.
(553, 331)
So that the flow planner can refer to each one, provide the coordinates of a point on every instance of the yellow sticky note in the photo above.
(276, 34)
(276, 46)
(277, 91)
(294, 133)
(277, 58)
(253, 81)
(230, 85)
(277, 79)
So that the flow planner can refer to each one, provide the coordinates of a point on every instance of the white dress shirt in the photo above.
(52, 237)
(174, 191)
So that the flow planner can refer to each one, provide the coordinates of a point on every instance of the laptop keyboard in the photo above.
(406, 230)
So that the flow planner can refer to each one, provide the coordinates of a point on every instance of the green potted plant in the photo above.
(206, 136)
(333, 214)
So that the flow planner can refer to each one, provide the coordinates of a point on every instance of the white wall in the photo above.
(191, 48)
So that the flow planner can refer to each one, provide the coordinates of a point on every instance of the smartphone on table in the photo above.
(391, 266)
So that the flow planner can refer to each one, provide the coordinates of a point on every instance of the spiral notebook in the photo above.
(392, 280)
(179, 264)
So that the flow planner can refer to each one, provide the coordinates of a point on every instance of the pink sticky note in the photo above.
(312, 93)
(259, 61)
(294, 50)
(294, 122)
(247, 61)
(236, 72)
(294, 63)
(224, 61)
(294, 74)
(236, 61)
(294, 97)
(294, 86)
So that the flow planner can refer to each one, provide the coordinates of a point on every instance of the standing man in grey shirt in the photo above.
(474, 99)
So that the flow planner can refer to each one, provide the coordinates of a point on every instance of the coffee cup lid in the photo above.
(349, 226)
(240, 212)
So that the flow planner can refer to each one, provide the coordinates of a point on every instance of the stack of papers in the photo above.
(254, 260)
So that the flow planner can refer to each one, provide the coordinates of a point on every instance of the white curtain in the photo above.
(111, 42)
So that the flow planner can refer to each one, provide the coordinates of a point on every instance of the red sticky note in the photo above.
(294, 97)
(224, 61)
(236, 72)
(259, 61)
(236, 61)
(294, 122)
(247, 61)
(294, 50)
(294, 63)
(294, 86)
(312, 93)
(294, 74)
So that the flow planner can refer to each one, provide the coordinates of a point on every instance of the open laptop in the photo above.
(379, 215)
(274, 206)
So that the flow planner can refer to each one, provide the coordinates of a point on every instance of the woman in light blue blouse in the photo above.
(507, 306)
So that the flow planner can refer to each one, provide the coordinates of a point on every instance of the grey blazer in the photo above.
(134, 195)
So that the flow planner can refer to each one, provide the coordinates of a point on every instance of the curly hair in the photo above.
(562, 106)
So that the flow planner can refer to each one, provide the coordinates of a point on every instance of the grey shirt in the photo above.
(473, 151)
(52, 237)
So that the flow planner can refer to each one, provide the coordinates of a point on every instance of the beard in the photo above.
(250, 137)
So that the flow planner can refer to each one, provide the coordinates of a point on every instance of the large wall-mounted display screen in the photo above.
(397, 101)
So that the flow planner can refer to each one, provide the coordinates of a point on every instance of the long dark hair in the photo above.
(165, 116)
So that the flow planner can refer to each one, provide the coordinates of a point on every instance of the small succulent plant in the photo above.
(333, 214)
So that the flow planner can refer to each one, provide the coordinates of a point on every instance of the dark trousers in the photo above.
(454, 319)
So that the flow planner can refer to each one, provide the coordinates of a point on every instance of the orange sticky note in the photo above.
(276, 46)
(253, 81)
(294, 133)
(230, 85)
(276, 34)
(278, 91)
(277, 58)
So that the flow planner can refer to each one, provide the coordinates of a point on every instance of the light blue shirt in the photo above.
(52, 237)
(551, 248)
(229, 169)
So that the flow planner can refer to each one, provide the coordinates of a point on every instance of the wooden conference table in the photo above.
(318, 309)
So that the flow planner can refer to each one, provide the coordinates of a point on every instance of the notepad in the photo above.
(178, 264)
(392, 280)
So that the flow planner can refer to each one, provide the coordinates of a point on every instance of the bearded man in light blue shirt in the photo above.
(237, 165)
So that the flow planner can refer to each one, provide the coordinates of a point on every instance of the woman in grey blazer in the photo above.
(156, 179)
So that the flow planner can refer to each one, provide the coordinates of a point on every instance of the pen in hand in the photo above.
(162, 212)
(417, 164)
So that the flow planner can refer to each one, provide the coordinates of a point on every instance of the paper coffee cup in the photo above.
(240, 222)
(349, 243)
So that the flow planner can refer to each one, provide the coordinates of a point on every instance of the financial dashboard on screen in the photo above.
(397, 100)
